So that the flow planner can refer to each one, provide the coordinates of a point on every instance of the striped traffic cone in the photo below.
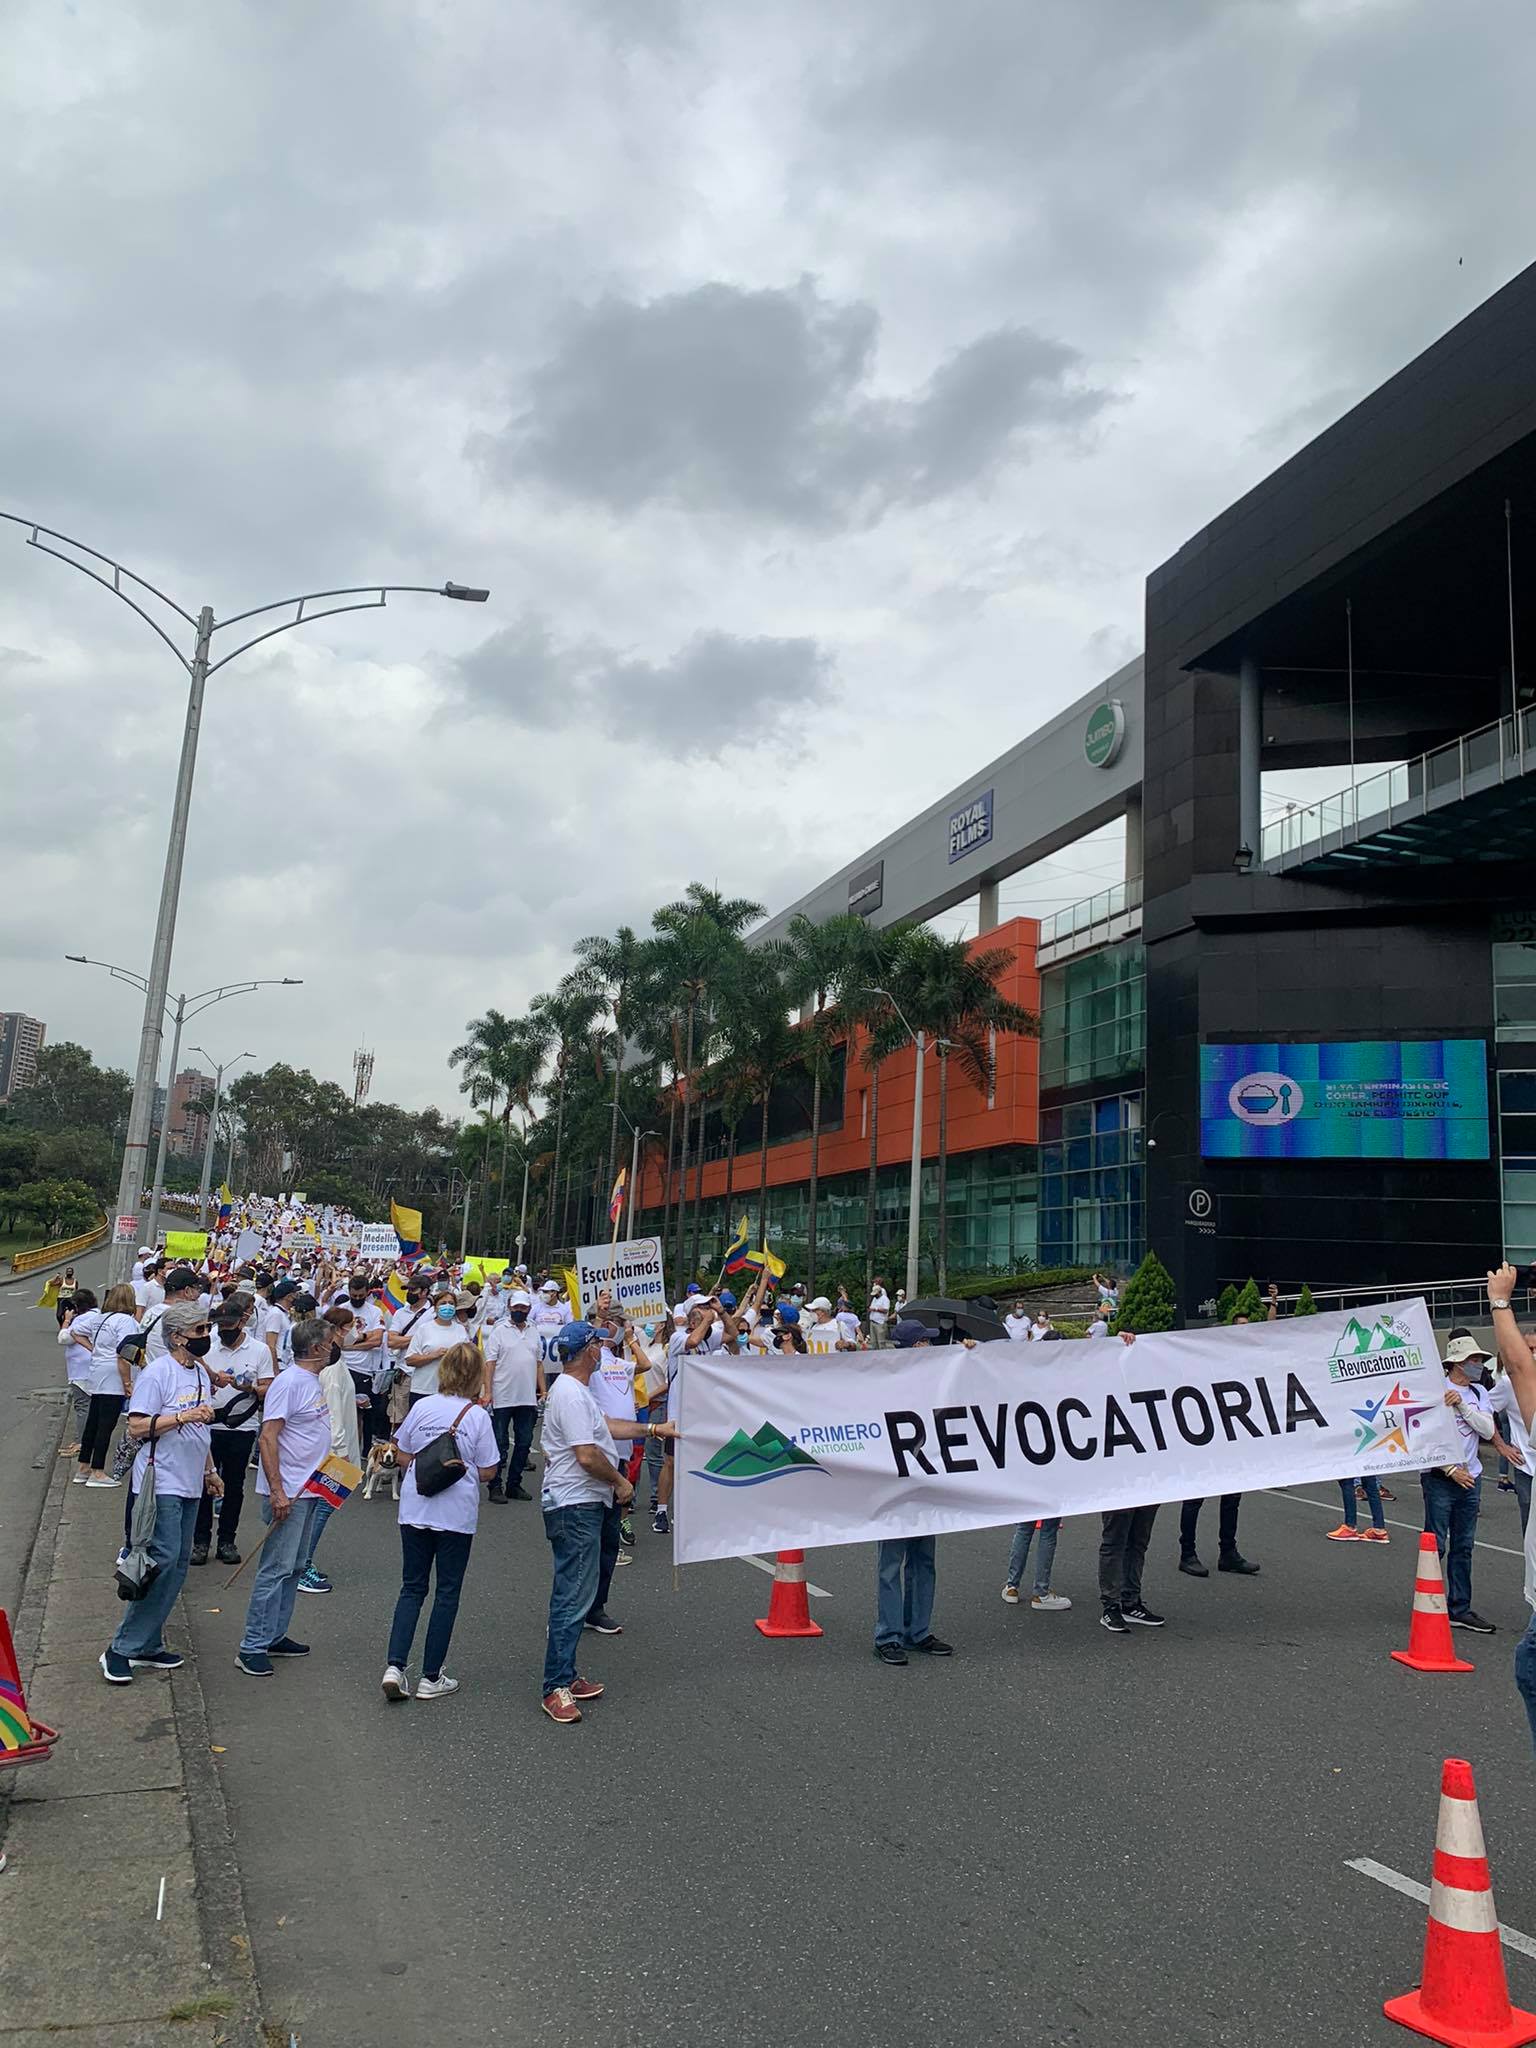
(23, 1738)
(1463, 1995)
(789, 1607)
(1429, 1633)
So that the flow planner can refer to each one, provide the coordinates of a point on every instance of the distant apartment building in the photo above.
(187, 1129)
(21, 1040)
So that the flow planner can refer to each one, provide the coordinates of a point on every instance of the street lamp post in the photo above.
(213, 1117)
(184, 1007)
(914, 1199)
(199, 668)
(636, 1137)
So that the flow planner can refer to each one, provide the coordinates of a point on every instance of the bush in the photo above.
(1305, 1305)
(1226, 1303)
(1250, 1303)
(1001, 1286)
(1147, 1301)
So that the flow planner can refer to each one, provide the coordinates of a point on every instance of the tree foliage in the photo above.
(1147, 1303)
(1249, 1303)
(1305, 1305)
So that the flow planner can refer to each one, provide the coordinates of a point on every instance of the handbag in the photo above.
(438, 1465)
(137, 1571)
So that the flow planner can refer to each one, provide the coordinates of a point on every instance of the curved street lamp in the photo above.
(199, 667)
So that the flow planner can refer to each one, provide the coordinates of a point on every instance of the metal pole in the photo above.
(130, 1184)
(915, 1200)
(634, 1168)
(207, 1179)
(229, 1160)
(522, 1214)
(1509, 579)
(464, 1233)
(152, 1230)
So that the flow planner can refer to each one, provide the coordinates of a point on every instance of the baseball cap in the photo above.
(519, 1300)
(284, 1288)
(576, 1337)
(549, 1287)
(692, 1287)
(180, 1278)
(788, 1313)
(727, 1299)
(1462, 1346)
(821, 1301)
(910, 1331)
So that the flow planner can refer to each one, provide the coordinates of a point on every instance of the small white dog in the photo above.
(381, 1462)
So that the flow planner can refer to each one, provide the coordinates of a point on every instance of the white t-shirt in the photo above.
(181, 1455)
(429, 1340)
(514, 1356)
(153, 1326)
(614, 1386)
(821, 1336)
(1097, 1328)
(1502, 1403)
(571, 1417)
(148, 1293)
(77, 1357)
(249, 1362)
(1018, 1328)
(297, 1400)
(340, 1391)
(457, 1507)
(1472, 1399)
(879, 1306)
(104, 1377)
(848, 1323)
(1037, 1331)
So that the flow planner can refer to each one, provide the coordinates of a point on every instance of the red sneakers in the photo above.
(560, 1706)
(585, 1689)
(1343, 1534)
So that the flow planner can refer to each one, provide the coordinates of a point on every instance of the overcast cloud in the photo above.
(814, 387)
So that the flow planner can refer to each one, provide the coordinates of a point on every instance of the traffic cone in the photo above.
(23, 1738)
(789, 1609)
(1429, 1634)
(1463, 1995)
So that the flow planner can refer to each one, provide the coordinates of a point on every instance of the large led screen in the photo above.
(1366, 1098)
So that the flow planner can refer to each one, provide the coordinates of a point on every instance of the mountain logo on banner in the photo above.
(1370, 1351)
(751, 1460)
(1387, 1423)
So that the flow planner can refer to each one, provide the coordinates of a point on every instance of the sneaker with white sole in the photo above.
(437, 1688)
(1049, 1603)
(396, 1685)
(101, 1479)
(560, 1706)
(79, 1478)
(1011, 1595)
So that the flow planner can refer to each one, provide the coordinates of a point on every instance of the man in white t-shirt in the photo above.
(294, 1439)
(582, 1483)
(1017, 1323)
(824, 1332)
(147, 1291)
(879, 1315)
(1099, 1327)
(514, 1386)
(548, 1317)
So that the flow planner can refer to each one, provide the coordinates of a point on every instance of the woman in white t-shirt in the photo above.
(77, 1326)
(436, 1530)
(109, 1381)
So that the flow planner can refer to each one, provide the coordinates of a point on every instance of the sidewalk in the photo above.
(129, 1796)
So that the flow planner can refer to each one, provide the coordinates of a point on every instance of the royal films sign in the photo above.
(970, 826)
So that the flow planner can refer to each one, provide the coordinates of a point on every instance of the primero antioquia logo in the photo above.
(752, 1460)
(1371, 1351)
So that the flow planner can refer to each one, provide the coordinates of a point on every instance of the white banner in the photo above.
(635, 1267)
(377, 1241)
(787, 1453)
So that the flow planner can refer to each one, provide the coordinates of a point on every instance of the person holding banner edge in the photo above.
(905, 1566)
(1518, 1361)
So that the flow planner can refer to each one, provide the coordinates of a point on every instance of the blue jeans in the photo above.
(1372, 1501)
(904, 1609)
(1045, 1556)
(513, 1426)
(277, 1575)
(1450, 1513)
(323, 1513)
(576, 1536)
(420, 1549)
(1525, 1673)
(171, 1545)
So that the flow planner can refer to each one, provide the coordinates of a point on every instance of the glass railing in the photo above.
(1406, 791)
(1093, 910)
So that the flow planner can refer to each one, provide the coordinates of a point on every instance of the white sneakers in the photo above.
(1050, 1603)
(1011, 1595)
(80, 1476)
(101, 1479)
(398, 1687)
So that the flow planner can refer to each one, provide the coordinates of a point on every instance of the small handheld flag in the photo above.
(393, 1294)
(758, 1260)
(333, 1480)
(407, 1224)
(736, 1255)
(616, 1199)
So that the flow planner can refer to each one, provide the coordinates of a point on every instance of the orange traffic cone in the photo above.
(23, 1738)
(1429, 1634)
(1463, 1996)
(789, 1609)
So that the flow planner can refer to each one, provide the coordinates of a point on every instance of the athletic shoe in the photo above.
(1475, 1623)
(625, 1557)
(227, 1554)
(627, 1532)
(199, 1554)
(517, 1493)
(560, 1706)
(312, 1581)
(437, 1688)
(660, 1523)
(1142, 1615)
(1385, 1491)
(586, 1688)
(158, 1660)
(1011, 1595)
(496, 1492)
(1345, 1533)
(1375, 1536)
(890, 1653)
(1050, 1603)
(1234, 1561)
(285, 1646)
(101, 1479)
(395, 1683)
(1193, 1567)
(254, 1663)
(933, 1646)
(79, 1478)
(115, 1670)
(603, 1624)
(1114, 1621)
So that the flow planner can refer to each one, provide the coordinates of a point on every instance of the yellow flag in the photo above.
(572, 1288)
(49, 1298)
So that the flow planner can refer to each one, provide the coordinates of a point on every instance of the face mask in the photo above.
(356, 1300)
(446, 1312)
(229, 1336)
(335, 1353)
(199, 1346)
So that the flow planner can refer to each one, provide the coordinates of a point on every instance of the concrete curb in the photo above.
(222, 1921)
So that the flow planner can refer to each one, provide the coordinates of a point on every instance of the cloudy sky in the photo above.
(813, 385)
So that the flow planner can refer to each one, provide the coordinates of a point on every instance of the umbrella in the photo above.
(950, 1320)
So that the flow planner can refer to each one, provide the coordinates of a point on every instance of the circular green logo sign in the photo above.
(1105, 734)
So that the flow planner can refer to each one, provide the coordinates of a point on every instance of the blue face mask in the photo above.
(445, 1311)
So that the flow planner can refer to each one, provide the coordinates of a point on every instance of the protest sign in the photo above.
(247, 1246)
(186, 1244)
(846, 1447)
(479, 1267)
(377, 1241)
(631, 1269)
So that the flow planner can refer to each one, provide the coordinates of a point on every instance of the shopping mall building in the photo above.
(1297, 1043)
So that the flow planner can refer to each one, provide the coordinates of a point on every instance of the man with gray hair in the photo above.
(294, 1439)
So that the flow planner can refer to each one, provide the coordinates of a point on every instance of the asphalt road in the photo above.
(1057, 1837)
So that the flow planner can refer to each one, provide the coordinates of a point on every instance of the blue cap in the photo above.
(692, 1287)
(575, 1337)
(727, 1299)
(910, 1331)
(788, 1313)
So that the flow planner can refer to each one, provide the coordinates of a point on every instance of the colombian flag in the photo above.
(334, 1480)
(616, 1199)
(392, 1295)
(407, 1224)
(758, 1260)
(226, 1204)
(736, 1254)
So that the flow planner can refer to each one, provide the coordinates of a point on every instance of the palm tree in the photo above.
(821, 963)
(761, 1046)
(949, 992)
(614, 968)
(873, 961)
(487, 1048)
(566, 1017)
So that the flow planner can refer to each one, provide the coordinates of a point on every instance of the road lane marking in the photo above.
(1415, 1528)
(765, 1565)
(1412, 1889)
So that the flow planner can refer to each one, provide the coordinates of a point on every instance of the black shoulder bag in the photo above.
(439, 1465)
